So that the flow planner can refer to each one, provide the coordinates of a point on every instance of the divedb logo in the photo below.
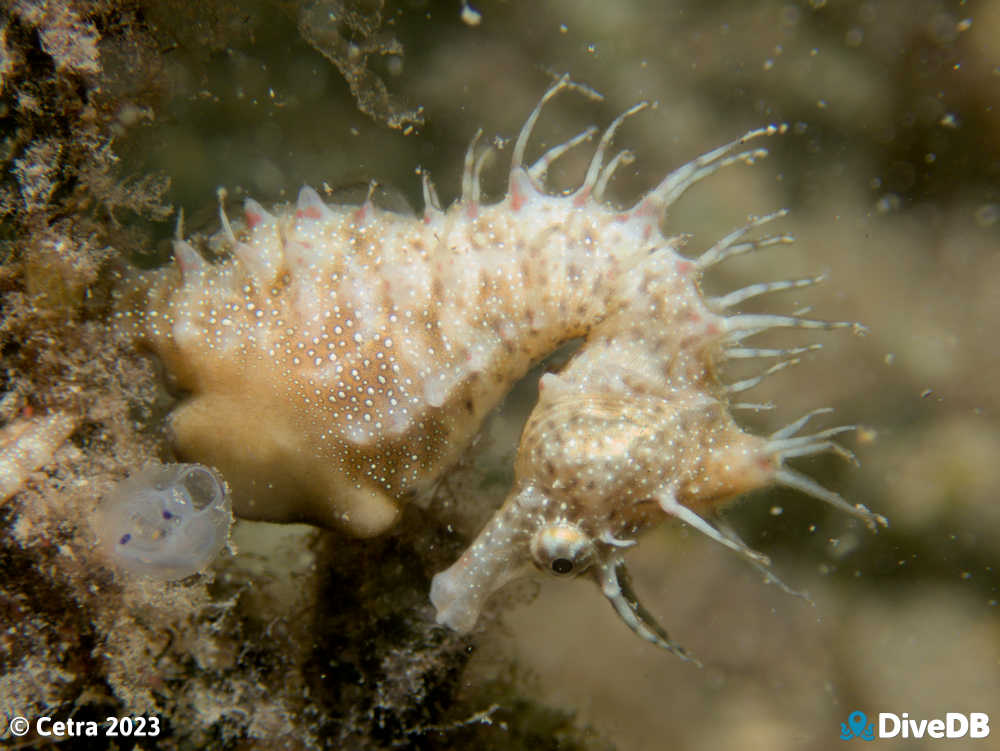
(953, 725)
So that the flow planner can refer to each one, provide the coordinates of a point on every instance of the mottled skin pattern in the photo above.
(636, 428)
(342, 358)
(355, 365)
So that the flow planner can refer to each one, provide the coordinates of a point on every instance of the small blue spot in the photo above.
(125, 539)
(167, 515)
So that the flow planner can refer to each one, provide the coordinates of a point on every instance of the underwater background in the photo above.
(116, 115)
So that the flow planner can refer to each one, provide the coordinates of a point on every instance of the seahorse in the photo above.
(339, 359)
(637, 428)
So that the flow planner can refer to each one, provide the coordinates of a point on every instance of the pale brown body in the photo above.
(342, 359)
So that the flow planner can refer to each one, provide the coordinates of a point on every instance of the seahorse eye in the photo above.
(562, 549)
(562, 566)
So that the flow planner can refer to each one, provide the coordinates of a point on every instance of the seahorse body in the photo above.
(340, 359)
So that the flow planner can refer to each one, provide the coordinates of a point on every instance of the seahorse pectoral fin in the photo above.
(616, 584)
(498, 555)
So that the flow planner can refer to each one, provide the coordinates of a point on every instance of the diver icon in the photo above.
(857, 726)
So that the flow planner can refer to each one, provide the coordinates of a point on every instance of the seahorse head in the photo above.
(592, 473)
(638, 426)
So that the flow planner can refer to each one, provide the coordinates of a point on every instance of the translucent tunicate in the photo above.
(167, 521)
